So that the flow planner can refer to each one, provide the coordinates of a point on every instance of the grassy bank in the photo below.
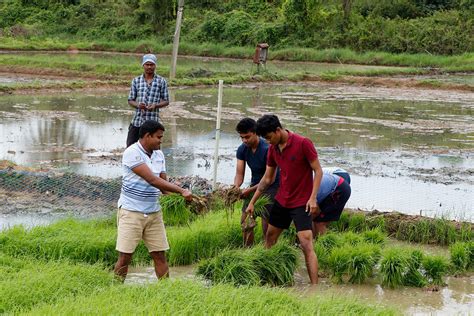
(25, 283)
(94, 241)
(464, 62)
(173, 297)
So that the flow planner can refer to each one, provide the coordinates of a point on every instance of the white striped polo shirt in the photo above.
(137, 194)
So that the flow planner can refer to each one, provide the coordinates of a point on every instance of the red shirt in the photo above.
(296, 174)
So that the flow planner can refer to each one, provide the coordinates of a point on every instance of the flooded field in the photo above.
(408, 150)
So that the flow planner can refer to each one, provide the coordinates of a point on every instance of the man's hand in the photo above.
(188, 196)
(152, 107)
(245, 193)
(312, 207)
(141, 106)
(249, 210)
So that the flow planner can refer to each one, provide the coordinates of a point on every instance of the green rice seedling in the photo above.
(393, 266)
(465, 233)
(435, 268)
(260, 204)
(444, 231)
(274, 266)
(185, 297)
(175, 210)
(423, 232)
(329, 241)
(362, 262)
(342, 224)
(460, 256)
(374, 236)
(27, 282)
(376, 222)
(470, 246)
(414, 277)
(352, 238)
(338, 263)
(357, 222)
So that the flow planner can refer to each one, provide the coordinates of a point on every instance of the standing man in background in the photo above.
(300, 178)
(148, 94)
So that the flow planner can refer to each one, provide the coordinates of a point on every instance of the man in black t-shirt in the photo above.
(252, 151)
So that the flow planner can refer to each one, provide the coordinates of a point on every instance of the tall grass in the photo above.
(435, 268)
(460, 256)
(25, 283)
(94, 241)
(255, 266)
(413, 276)
(180, 297)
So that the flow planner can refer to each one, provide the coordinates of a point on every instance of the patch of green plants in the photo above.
(354, 263)
(393, 266)
(374, 236)
(413, 275)
(357, 222)
(186, 297)
(94, 241)
(460, 256)
(254, 266)
(435, 268)
(29, 282)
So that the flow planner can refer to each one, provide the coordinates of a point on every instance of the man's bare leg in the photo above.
(306, 244)
(161, 265)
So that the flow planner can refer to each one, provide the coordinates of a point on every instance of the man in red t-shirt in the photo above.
(295, 201)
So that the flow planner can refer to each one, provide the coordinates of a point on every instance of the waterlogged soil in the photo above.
(410, 150)
(456, 298)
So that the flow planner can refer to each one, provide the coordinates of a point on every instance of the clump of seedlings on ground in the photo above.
(254, 266)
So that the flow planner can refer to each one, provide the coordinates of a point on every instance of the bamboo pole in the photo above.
(218, 132)
(174, 56)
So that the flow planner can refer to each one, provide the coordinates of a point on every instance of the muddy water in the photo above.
(456, 298)
(408, 150)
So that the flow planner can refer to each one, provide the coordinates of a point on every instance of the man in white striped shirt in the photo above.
(139, 213)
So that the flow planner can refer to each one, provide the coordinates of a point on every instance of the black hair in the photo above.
(150, 127)
(246, 125)
(267, 124)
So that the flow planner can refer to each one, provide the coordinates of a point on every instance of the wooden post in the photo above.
(218, 133)
(174, 56)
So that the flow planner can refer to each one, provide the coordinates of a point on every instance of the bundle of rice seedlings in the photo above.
(357, 222)
(362, 262)
(376, 221)
(414, 277)
(254, 266)
(352, 238)
(324, 245)
(374, 236)
(460, 256)
(175, 210)
(393, 266)
(435, 269)
(338, 263)
(199, 205)
(260, 206)
(230, 195)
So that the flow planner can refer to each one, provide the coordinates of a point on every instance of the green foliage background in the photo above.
(443, 27)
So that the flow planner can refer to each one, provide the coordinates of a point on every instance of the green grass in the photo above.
(254, 266)
(179, 297)
(393, 266)
(25, 283)
(94, 241)
(460, 256)
(175, 210)
(435, 268)
(414, 276)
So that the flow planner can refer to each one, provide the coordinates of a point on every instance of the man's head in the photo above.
(149, 63)
(151, 134)
(269, 127)
(246, 129)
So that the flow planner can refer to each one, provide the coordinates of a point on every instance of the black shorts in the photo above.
(270, 192)
(331, 207)
(281, 217)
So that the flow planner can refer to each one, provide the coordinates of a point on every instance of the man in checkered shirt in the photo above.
(148, 94)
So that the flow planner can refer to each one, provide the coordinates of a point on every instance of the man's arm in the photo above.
(239, 173)
(267, 180)
(162, 104)
(312, 204)
(164, 177)
(158, 182)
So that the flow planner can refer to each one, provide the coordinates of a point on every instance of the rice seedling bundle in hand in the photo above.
(175, 210)
(259, 210)
(254, 266)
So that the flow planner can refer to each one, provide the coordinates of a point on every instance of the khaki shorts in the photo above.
(135, 226)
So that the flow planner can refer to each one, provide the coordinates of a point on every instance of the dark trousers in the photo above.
(132, 136)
